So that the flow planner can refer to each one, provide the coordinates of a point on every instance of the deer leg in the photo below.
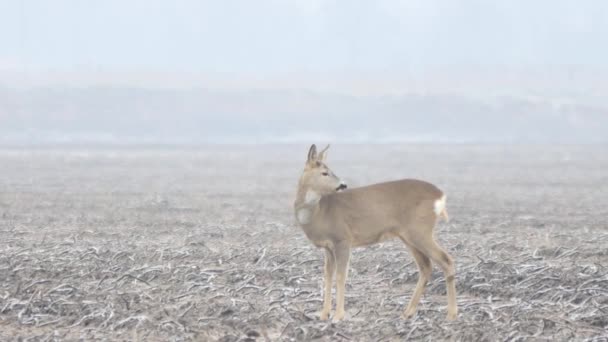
(330, 269)
(424, 274)
(342, 253)
(445, 261)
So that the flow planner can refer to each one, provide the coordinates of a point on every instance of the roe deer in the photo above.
(340, 220)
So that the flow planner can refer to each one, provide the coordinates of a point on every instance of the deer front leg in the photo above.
(342, 254)
(330, 269)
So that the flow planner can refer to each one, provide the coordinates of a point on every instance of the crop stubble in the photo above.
(200, 244)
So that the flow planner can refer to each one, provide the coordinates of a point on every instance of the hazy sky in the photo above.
(301, 35)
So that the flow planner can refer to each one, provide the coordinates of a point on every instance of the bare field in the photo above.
(200, 244)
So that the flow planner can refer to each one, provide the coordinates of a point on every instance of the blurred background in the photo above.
(270, 71)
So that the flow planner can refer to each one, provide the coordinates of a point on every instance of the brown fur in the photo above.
(339, 221)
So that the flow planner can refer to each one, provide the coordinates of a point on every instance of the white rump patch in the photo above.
(439, 205)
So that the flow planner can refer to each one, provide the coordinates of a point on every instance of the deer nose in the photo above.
(342, 186)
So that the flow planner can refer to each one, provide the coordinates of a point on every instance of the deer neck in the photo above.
(306, 205)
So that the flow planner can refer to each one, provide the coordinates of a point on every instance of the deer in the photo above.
(337, 218)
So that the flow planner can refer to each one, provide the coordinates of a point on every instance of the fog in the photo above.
(151, 158)
(271, 71)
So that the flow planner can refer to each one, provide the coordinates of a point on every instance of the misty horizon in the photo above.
(239, 72)
(486, 107)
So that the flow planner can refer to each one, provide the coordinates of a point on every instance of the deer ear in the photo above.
(312, 154)
(323, 153)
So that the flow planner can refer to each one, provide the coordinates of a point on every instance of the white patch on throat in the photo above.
(439, 205)
(304, 215)
(311, 197)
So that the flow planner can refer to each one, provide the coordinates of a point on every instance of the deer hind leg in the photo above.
(342, 254)
(444, 260)
(424, 274)
(330, 269)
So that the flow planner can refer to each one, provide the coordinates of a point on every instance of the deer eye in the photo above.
(325, 173)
